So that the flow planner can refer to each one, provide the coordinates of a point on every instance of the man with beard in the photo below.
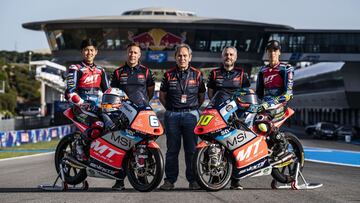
(228, 79)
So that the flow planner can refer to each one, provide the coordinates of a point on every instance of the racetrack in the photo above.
(20, 178)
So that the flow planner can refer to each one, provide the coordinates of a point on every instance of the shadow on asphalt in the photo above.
(109, 190)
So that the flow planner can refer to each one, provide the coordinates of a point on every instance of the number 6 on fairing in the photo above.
(154, 122)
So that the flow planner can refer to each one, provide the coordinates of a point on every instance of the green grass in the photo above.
(4, 155)
(31, 146)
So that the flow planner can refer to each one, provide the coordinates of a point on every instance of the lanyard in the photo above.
(183, 88)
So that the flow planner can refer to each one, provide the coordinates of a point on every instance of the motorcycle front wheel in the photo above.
(286, 174)
(72, 175)
(205, 174)
(147, 177)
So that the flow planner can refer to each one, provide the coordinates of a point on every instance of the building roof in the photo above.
(159, 11)
(318, 69)
(185, 17)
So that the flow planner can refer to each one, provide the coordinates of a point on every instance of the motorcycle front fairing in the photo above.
(108, 152)
(249, 151)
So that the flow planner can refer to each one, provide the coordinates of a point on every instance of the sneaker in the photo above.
(194, 186)
(235, 185)
(167, 185)
(119, 185)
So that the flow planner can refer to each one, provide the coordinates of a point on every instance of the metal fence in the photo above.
(25, 123)
(7, 124)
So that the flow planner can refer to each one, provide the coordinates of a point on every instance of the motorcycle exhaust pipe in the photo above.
(283, 161)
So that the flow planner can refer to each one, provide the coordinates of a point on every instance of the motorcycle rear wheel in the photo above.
(287, 173)
(154, 166)
(203, 175)
(72, 176)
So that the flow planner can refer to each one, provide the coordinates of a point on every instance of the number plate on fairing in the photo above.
(228, 109)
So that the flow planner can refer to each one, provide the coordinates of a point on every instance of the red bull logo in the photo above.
(157, 39)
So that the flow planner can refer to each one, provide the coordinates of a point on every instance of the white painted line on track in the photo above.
(328, 149)
(318, 150)
(28, 156)
(332, 163)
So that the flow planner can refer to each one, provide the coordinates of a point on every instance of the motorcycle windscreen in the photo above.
(148, 123)
(251, 152)
(107, 153)
(210, 121)
(222, 101)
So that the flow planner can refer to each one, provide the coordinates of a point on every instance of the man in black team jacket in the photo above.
(136, 81)
(181, 93)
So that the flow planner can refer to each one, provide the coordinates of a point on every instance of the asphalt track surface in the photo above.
(19, 180)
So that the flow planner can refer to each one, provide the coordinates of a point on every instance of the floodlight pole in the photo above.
(30, 53)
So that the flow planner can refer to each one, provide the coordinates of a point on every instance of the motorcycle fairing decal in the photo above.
(249, 118)
(121, 139)
(235, 138)
(266, 170)
(129, 111)
(202, 144)
(101, 170)
(70, 115)
(213, 123)
(204, 120)
(107, 153)
(251, 152)
(102, 167)
(253, 169)
(289, 112)
(228, 109)
(153, 145)
(145, 121)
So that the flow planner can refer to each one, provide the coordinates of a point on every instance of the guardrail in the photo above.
(19, 137)
(25, 123)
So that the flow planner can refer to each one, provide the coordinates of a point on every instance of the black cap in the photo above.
(273, 44)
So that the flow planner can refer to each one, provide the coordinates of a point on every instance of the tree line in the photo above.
(21, 88)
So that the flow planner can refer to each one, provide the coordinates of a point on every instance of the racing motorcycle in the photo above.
(130, 151)
(233, 146)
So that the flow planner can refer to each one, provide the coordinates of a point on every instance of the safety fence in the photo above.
(25, 123)
(19, 137)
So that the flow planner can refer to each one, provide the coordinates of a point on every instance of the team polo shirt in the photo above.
(228, 81)
(177, 83)
(134, 81)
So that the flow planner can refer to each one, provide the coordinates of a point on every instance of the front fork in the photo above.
(140, 153)
(215, 153)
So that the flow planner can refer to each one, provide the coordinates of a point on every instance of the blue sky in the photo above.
(308, 14)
